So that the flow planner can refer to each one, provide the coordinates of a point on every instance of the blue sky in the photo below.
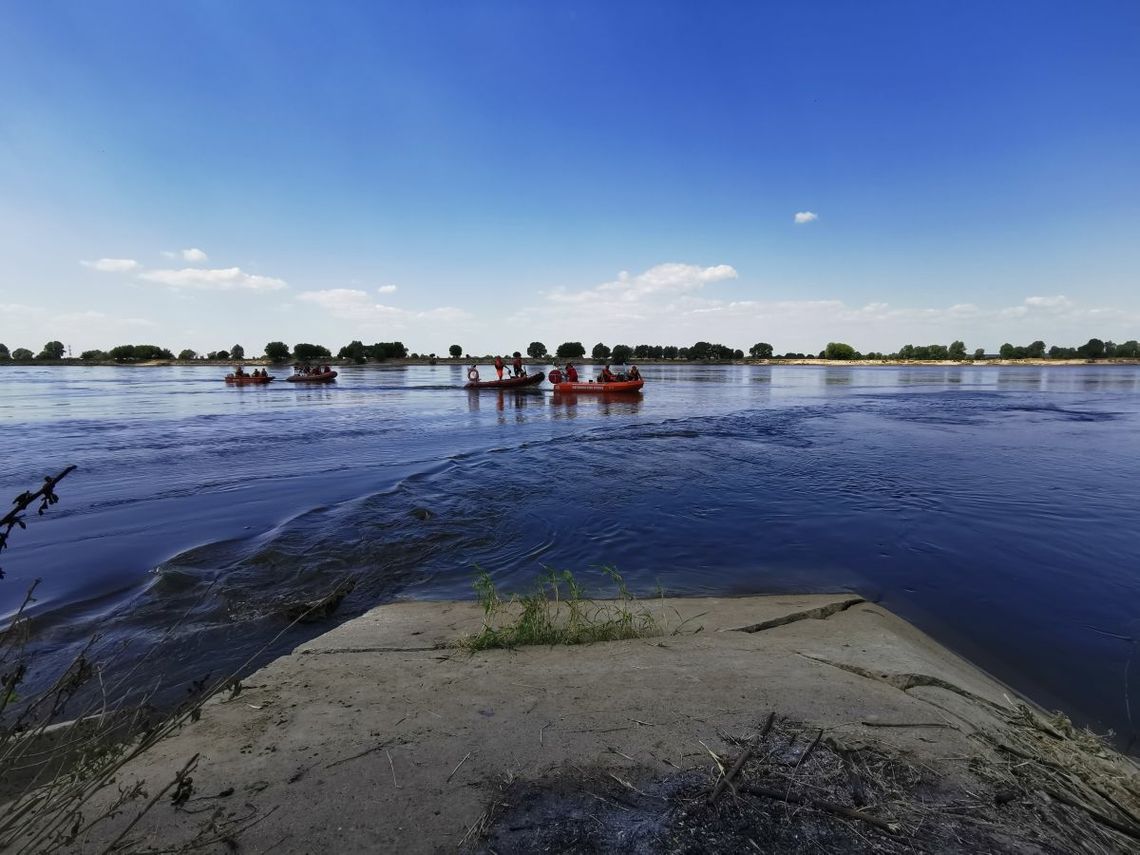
(195, 174)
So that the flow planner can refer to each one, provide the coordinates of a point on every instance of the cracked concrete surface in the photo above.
(373, 738)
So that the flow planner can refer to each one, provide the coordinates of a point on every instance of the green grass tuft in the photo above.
(557, 612)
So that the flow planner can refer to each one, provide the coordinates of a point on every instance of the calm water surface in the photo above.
(994, 507)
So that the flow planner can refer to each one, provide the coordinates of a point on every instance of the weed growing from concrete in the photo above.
(555, 612)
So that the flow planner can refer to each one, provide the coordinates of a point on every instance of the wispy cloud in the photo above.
(192, 254)
(806, 217)
(112, 265)
(350, 304)
(386, 289)
(214, 279)
(1057, 303)
(662, 280)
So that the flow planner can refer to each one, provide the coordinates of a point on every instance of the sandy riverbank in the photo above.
(377, 737)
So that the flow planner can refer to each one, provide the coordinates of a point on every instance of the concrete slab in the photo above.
(374, 738)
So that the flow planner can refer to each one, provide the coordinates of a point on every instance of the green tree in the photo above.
(701, 350)
(1093, 349)
(1006, 351)
(354, 350)
(305, 351)
(187, 354)
(536, 350)
(621, 353)
(979, 355)
(277, 351)
(1128, 350)
(456, 351)
(761, 350)
(1036, 350)
(137, 352)
(52, 350)
(221, 354)
(4, 354)
(669, 352)
(93, 354)
(957, 350)
(838, 350)
(122, 353)
(570, 350)
(22, 354)
(600, 351)
(237, 352)
(388, 350)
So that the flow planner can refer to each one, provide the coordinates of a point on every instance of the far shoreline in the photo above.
(486, 360)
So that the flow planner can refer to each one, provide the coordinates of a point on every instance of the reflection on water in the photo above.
(989, 504)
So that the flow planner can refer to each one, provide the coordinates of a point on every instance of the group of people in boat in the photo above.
(239, 371)
(299, 369)
(607, 375)
(516, 369)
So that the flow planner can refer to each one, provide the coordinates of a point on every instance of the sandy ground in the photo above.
(376, 738)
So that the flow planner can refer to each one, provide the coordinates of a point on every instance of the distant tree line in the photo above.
(357, 351)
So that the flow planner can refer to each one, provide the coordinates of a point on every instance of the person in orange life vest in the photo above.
(607, 376)
(517, 364)
(634, 374)
(499, 366)
(571, 373)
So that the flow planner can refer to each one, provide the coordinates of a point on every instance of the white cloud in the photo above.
(112, 265)
(350, 304)
(214, 279)
(659, 281)
(806, 217)
(187, 254)
(1058, 303)
(386, 289)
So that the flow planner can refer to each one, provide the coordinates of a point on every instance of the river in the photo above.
(995, 507)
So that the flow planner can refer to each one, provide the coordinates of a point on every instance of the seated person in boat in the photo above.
(633, 373)
(571, 373)
(606, 376)
(517, 365)
(239, 371)
(499, 366)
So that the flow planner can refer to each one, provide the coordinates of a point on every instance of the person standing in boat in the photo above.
(499, 366)
(518, 365)
(571, 373)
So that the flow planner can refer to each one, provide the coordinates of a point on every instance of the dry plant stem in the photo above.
(178, 778)
(808, 751)
(61, 809)
(456, 769)
(1127, 830)
(726, 779)
(46, 495)
(830, 807)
